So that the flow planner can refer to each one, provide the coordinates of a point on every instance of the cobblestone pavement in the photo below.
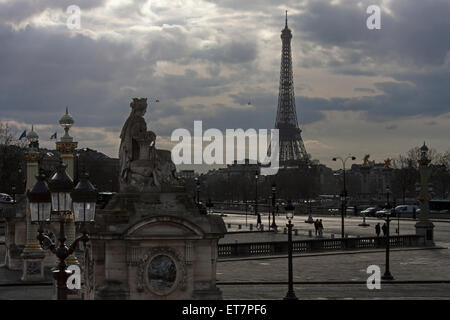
(318, 270)
(409, 266)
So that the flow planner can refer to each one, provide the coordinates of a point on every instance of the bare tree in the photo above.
(11, 156)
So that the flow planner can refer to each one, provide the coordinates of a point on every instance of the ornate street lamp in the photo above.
(60, 187)
(387, 274)
(289, 216)
(40, 200)
(56, 197)
(344, 192)
(84, 198)
(274, 195)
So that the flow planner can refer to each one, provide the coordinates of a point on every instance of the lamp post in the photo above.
(58, 196)
(290, 295)
(344, 192)
(274, 195)
(387, 274)
(256, 192)
(197, 187)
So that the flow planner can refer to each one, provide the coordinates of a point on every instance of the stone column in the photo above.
(424, 226)
(32, 254)
(67, 150)
(67, 147)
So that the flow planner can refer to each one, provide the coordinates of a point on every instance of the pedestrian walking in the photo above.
(384, 228)
(316, 226)
(378, 229)
(320, 228)
(258, 222)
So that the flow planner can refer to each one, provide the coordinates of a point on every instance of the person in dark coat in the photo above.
(320, 228)
(316, 226)
(384, 228)
(378, 229)
(258, 221)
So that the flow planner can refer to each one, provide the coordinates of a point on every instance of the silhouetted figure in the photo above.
(384, 228)
(355, 210)
(316, 226)
(414, 213)
(378, 229)
(258, 221)
(320, 228)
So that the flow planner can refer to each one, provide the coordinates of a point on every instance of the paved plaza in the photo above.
(419, 273)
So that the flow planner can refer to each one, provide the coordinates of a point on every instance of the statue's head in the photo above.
(139, 105)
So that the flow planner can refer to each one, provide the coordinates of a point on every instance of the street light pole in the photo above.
(197, 186)
(256, 193)
(344, 193)
(387, 274)
(290, 295)
(274, 195)
(61, 198)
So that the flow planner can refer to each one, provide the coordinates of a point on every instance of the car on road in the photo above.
(336, 211)
(6, 198)
(406, 209)
(383, 212)
(370, 212)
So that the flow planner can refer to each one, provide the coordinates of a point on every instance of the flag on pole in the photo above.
(53, 136)
(23, 135)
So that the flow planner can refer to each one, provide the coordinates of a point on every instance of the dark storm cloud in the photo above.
(45, 69)
(231, 53)
(416, 32)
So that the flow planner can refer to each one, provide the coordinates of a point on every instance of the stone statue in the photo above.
(366, 160)
(142, 166)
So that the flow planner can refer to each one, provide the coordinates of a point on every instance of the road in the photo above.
(332, 225)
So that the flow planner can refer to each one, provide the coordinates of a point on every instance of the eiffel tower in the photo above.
(292, 148)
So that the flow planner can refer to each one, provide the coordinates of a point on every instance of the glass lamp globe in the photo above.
(40, 201)
(60, 187)
(84, 198)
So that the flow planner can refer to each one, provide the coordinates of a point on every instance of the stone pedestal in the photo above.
(425, 228)
(153, 246)
(15, 233)
(33, 266)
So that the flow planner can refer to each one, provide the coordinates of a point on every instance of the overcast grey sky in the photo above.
(358, 91)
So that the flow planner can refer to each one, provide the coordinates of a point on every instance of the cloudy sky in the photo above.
(360, 91)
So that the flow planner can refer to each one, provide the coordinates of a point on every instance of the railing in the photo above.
(235, 250)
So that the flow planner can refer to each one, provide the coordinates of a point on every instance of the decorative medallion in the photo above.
(161, 271)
